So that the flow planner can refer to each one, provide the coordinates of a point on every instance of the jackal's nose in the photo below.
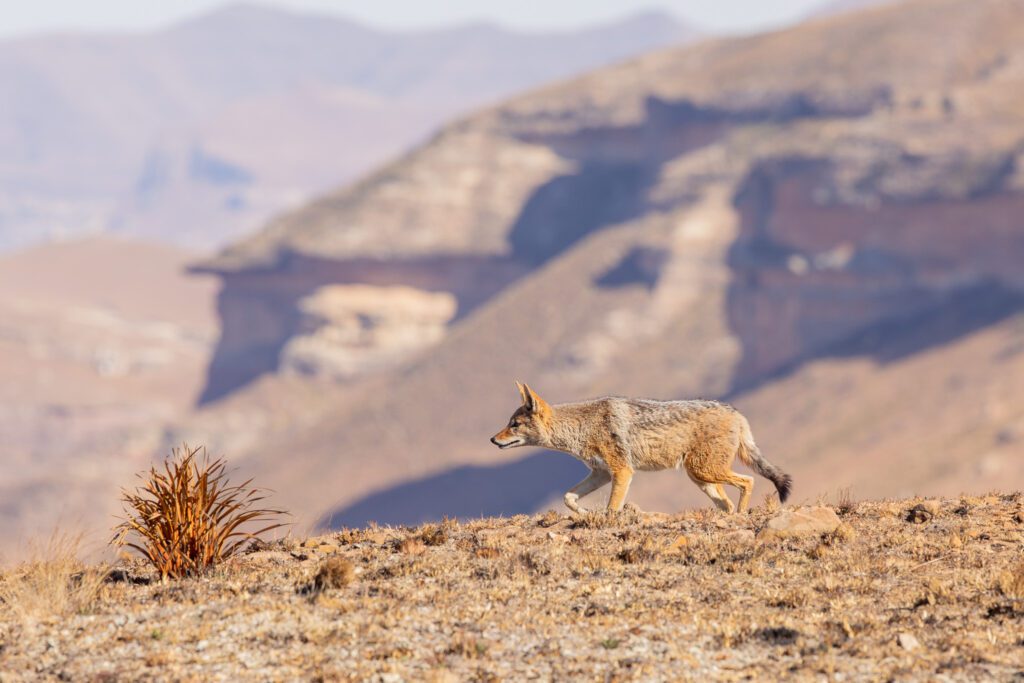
(494, 440)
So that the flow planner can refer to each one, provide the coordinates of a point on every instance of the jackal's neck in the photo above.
(565, 430)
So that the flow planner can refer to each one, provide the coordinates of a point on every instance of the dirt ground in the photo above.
(891, 594)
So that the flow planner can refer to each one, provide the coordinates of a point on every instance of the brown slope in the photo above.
(840, 195)
(556, 328)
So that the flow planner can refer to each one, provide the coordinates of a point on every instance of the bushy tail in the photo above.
(751, 456)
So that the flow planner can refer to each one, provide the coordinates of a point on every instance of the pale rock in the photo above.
(808, 521)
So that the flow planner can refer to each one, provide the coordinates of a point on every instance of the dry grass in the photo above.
(52, 583)
(334, 572)
(188, 518)
(693, 596)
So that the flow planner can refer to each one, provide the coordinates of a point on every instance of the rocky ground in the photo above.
(890, 590)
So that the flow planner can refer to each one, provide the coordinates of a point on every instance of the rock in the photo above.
(327, 548)
(807, 521)
(739, 537)
(358, 328)
(908, 642)
(923, 512)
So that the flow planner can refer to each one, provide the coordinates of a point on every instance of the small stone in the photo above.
(807, 521)
(908, 642)
(327, 548)
(923, 512)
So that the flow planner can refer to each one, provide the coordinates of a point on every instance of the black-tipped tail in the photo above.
(783, 484)
(750, 454)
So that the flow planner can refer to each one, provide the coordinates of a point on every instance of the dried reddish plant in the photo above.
(188, 517)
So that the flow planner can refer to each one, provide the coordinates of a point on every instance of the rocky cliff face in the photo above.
(695, 222)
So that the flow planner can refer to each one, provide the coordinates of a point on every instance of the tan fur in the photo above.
(615, 437)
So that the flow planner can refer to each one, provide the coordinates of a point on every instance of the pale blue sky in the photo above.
(18, 17)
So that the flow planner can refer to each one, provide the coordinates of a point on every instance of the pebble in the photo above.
(908, 642)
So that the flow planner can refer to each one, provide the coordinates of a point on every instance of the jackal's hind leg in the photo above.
(595, 480)
(717, 495)
(745, 485)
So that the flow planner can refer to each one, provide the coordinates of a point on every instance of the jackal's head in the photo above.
(529, 425)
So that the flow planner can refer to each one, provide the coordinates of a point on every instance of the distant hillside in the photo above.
(195, 134)
(788, 221)
(833, 7)
(102, 342)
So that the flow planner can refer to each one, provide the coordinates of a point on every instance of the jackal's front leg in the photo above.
(620, 486)
(595, 480)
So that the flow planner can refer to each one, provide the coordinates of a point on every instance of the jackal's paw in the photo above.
(571, 503)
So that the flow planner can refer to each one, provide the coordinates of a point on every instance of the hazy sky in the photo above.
(33, 16)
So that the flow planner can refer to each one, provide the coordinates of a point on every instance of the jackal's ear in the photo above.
(524, 391)
(533, 402)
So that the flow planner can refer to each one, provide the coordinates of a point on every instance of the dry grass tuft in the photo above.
(188, 518)
(465, 645)
(845, 504)
(604, 519)
(52, 583)
(1011, 582)
(487, 553)
(645, 551)
(549, 519)
(413, 545)
(434, 534)
(334, 572)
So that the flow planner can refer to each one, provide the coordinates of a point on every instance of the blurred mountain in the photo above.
(834, 7)
(196, 134)
(820, 224)
(102, 341)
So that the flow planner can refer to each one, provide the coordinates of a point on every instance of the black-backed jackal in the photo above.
(615, 437)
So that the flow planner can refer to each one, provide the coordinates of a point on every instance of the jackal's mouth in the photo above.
(516, 441)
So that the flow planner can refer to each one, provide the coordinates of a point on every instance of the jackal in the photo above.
(615, 437)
